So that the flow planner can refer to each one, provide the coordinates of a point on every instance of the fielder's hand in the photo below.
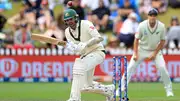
(152, 57)
(135, 57)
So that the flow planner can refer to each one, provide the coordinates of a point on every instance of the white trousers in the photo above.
(92, 60)
(159, 62)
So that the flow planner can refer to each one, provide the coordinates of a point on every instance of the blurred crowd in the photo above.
(116, 20)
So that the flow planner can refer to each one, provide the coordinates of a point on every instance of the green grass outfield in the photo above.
(60, 92)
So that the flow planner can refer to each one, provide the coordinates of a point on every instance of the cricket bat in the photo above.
(47, 39)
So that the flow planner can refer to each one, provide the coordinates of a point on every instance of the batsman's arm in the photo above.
(94, 40)
(96, 37)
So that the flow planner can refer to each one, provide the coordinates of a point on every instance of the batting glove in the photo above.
(71, 46)
(81, 47)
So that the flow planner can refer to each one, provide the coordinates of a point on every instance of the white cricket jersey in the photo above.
(149, 38)
(87, 31)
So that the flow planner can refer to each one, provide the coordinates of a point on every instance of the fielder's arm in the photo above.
(136, 44)
(160, 46)
(162, 42)
(138, 36)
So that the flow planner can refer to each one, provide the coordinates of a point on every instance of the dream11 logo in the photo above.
(8, 67)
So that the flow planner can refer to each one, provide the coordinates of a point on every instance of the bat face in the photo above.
(47, 39)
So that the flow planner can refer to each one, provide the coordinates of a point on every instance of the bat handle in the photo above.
(62, 43)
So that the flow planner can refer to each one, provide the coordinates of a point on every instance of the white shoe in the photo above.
(73, 100)
(110, 93)
(169, 93)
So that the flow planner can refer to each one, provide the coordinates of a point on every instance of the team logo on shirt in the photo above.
(92, 27)
(157, 32)
(67, 14)
(145, 33)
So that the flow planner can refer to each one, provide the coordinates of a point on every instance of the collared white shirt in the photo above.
(149, 39)
(87, 31)
(75, 32)
(152, 29)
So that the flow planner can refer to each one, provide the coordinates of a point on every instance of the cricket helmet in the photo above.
(153, 11)
(70, 13)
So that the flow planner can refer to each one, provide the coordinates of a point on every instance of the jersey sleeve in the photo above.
(92, 30)
(162, 37)
(138, 34)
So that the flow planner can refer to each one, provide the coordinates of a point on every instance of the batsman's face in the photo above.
(152, 18)
(70, 22)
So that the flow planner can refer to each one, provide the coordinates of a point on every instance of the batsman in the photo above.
(149, 40)
(83, 38)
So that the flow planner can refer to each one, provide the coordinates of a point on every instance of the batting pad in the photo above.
(79, 67)
(76, 88)
(78, 73)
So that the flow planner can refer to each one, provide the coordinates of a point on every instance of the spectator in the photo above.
(117, 25)
(2, 38)
(5, 5)
(128, 30)
(60, 22)
(76, 6)
(113, 47)
(174, 3)
(45, 19)
(173, 34)
(114, 17)
(2, 21)
(22, 37)
(52, 4)
(66, 1)
(160, 5)
(174, 21)
(100, 16)
(18, 19)
(93, 4)
(30, 15)
(55, 32)
(113, 9)
(34, 6)
(144, 7)
(126, 7)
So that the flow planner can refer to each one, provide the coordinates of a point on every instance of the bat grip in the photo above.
(62, 43)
